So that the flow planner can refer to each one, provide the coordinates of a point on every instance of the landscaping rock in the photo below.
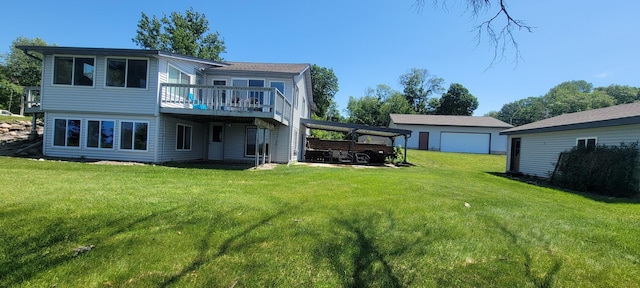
(16, 136)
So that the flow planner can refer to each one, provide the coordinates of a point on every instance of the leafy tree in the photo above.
(365, 110)
(391, 102)
(324, 86)
(622, 93)
(575, 96)
(566, 97)
(325, 134)
(375, 107)
(18, 70)
(523, 111)
(180, 33)
(418, 86)
(22, 69)
(457, 101)
(333, 114)
(493, 114)
(433, 105)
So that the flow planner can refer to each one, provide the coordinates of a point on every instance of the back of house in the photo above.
(156, 106)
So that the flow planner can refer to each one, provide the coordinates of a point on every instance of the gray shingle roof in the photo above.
(448, 120)
(610, 116)
(47, 50)
(264, 67)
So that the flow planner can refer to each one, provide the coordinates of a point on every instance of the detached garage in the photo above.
(463, 134)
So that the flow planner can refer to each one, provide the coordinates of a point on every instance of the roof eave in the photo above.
(584, 125)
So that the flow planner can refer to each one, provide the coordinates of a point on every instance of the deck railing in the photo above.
(32, 99)
(226, 98)
(261, 102)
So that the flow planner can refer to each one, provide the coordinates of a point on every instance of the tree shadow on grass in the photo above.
(52, 245)
(356, 255)
(542, 282)
(204, 248)
(541, 182)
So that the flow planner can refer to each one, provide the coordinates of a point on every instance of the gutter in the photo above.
(26, 52)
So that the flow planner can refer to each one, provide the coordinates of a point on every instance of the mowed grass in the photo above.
(301, 226)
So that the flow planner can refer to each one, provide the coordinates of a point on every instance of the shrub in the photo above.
(605, 170)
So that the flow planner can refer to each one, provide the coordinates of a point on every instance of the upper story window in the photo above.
(130, 73)
(177, 76)
(587, 142)
(76, 71)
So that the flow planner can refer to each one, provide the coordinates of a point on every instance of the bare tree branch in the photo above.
(500, 38)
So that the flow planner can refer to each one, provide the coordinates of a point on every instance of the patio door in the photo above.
(216, 144)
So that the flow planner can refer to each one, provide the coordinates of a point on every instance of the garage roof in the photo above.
(448, 120)
(624, 114)
(355, 128)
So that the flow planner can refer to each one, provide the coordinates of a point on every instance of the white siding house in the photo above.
(155, 106)
(466, 134)
(534, 148)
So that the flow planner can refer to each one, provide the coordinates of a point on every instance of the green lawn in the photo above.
(300, 226)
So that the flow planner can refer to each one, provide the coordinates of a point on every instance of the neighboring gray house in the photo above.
(155, 106)
(534, 148)
(466, 134)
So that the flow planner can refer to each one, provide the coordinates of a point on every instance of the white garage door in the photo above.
(465, 142)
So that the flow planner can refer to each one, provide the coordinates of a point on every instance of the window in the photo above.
(177, 76)
(587, 142)
(73, 71)
(66, 132)
(250, 147)
(133, 135)
(280, 86)
(183, 139)
(221, 95)
(130, 73)
(256, 96)
(100, 134)
(216, 134)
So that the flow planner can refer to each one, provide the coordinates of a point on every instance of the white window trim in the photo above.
(191, 76)
(106, 68)
(119, 134)
(73, 68)
(66, 145)
(586, 139)
(246, 143)
(284, 85)
(219, 79)
(190, 137)
(86, 136)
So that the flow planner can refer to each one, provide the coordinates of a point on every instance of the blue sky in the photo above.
(373, 42)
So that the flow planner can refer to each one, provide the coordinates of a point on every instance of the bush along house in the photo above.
(155, 106)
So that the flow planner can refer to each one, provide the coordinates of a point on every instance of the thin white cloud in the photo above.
(602, 75)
